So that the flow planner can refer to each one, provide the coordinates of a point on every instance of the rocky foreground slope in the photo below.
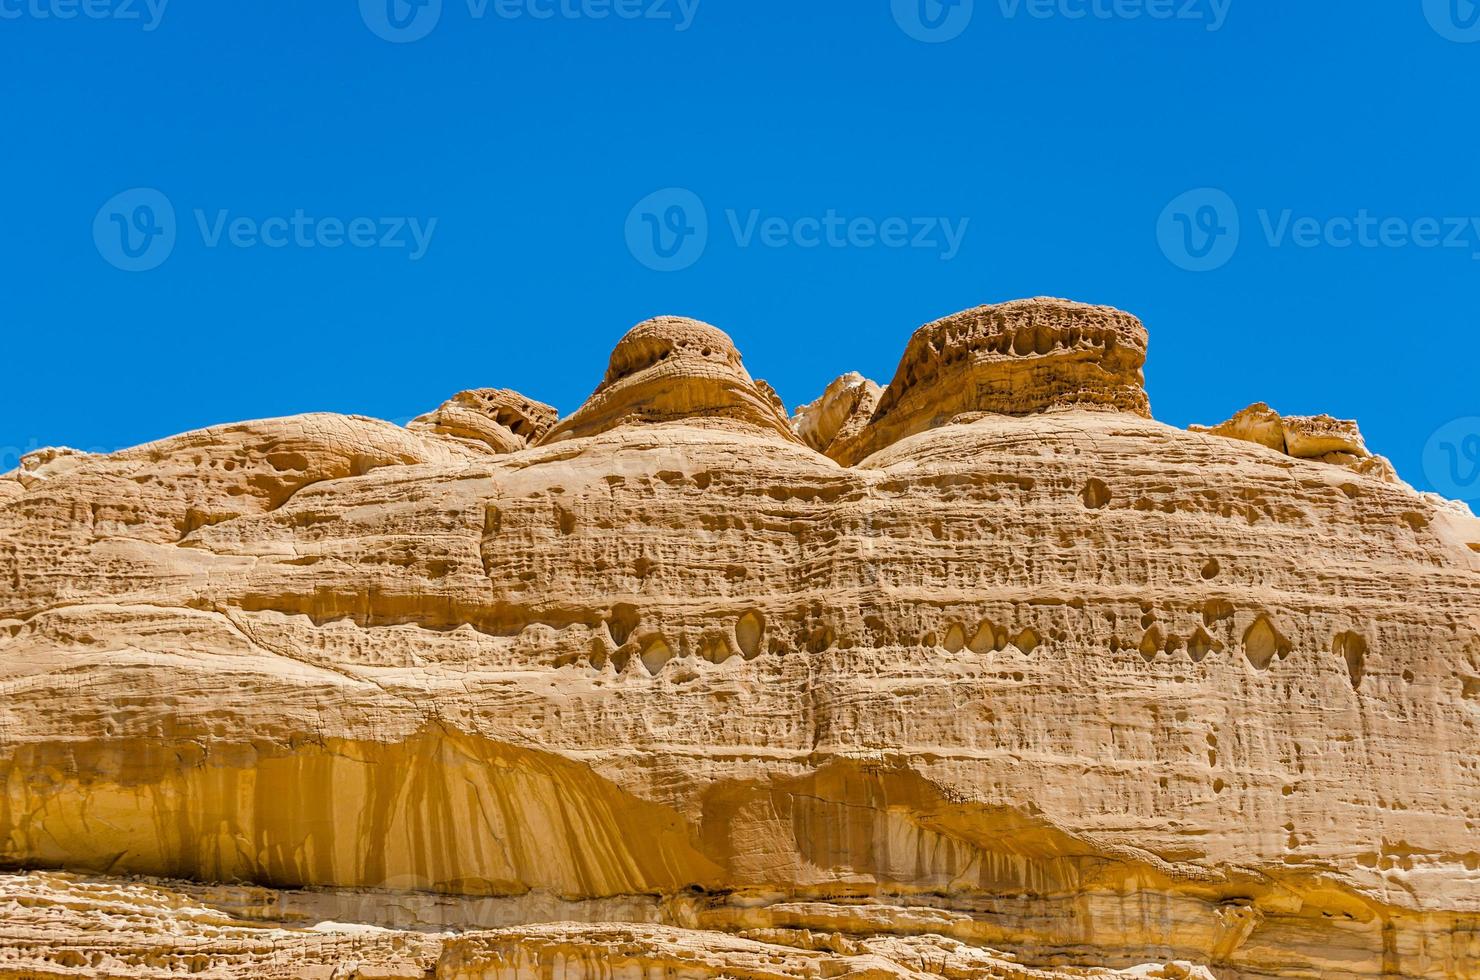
(984, 673)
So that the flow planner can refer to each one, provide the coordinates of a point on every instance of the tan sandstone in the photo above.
(1337, 442)
(1012, 680)
(489, 420)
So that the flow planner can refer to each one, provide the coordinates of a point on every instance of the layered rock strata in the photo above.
(489, 420)
(1018, 358)
(671, 369)
(1033, 683)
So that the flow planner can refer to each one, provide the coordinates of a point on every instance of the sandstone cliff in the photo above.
(984, 674)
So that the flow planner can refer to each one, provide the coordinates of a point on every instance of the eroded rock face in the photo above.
(66, 925)
(489, 420)
(1017, 358)
(1337, 442)
(839, 413)
(1054, 683)
(672, 369)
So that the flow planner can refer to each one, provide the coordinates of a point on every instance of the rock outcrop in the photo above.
(840, 412)
(1036, 686)
(1017, 358)
(1314, 437)
(672, 369)
(489, 420)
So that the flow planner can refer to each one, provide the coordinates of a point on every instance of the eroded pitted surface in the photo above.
(671, 369)
(1337, 442)
(492, 420)
(1014, 358)
(1072, 684)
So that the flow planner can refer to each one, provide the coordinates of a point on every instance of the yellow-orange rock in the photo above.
(1038, 685)
(1017, 358)
(489, 420)
(58, 925)
(840, 412)
(1336, 442)
(672, 369)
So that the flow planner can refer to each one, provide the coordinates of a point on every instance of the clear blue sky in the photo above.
(1060, 141)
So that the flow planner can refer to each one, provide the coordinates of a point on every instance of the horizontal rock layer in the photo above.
(63, 925)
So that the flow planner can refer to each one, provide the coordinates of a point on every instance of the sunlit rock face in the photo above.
(492, 420)
(986, 673)
(672, 369)
(1019, 358)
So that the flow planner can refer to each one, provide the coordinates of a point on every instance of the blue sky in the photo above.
(480, 182)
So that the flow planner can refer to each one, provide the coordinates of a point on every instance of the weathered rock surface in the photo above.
(1017, 358)
(489, 420)
(1319, 437)
(840, 412)
(57, 925)
(1035, 674)
(672, 369)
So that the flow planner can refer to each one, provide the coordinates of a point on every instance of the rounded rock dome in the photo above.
(674, 369)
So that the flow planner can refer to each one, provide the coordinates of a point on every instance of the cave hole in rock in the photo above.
(1151, 643)
(1200, 645)
(1262, 643)
(985, 639)
(955, 639)
(1352, 648)
(622, 622)
(656, 654)
(1096, 495)
(749, 632)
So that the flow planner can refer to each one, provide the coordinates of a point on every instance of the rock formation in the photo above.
(489, 420)
(1315, 437)
(990, 674)
(840, 412)
(671, 369)
(1018, 358)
